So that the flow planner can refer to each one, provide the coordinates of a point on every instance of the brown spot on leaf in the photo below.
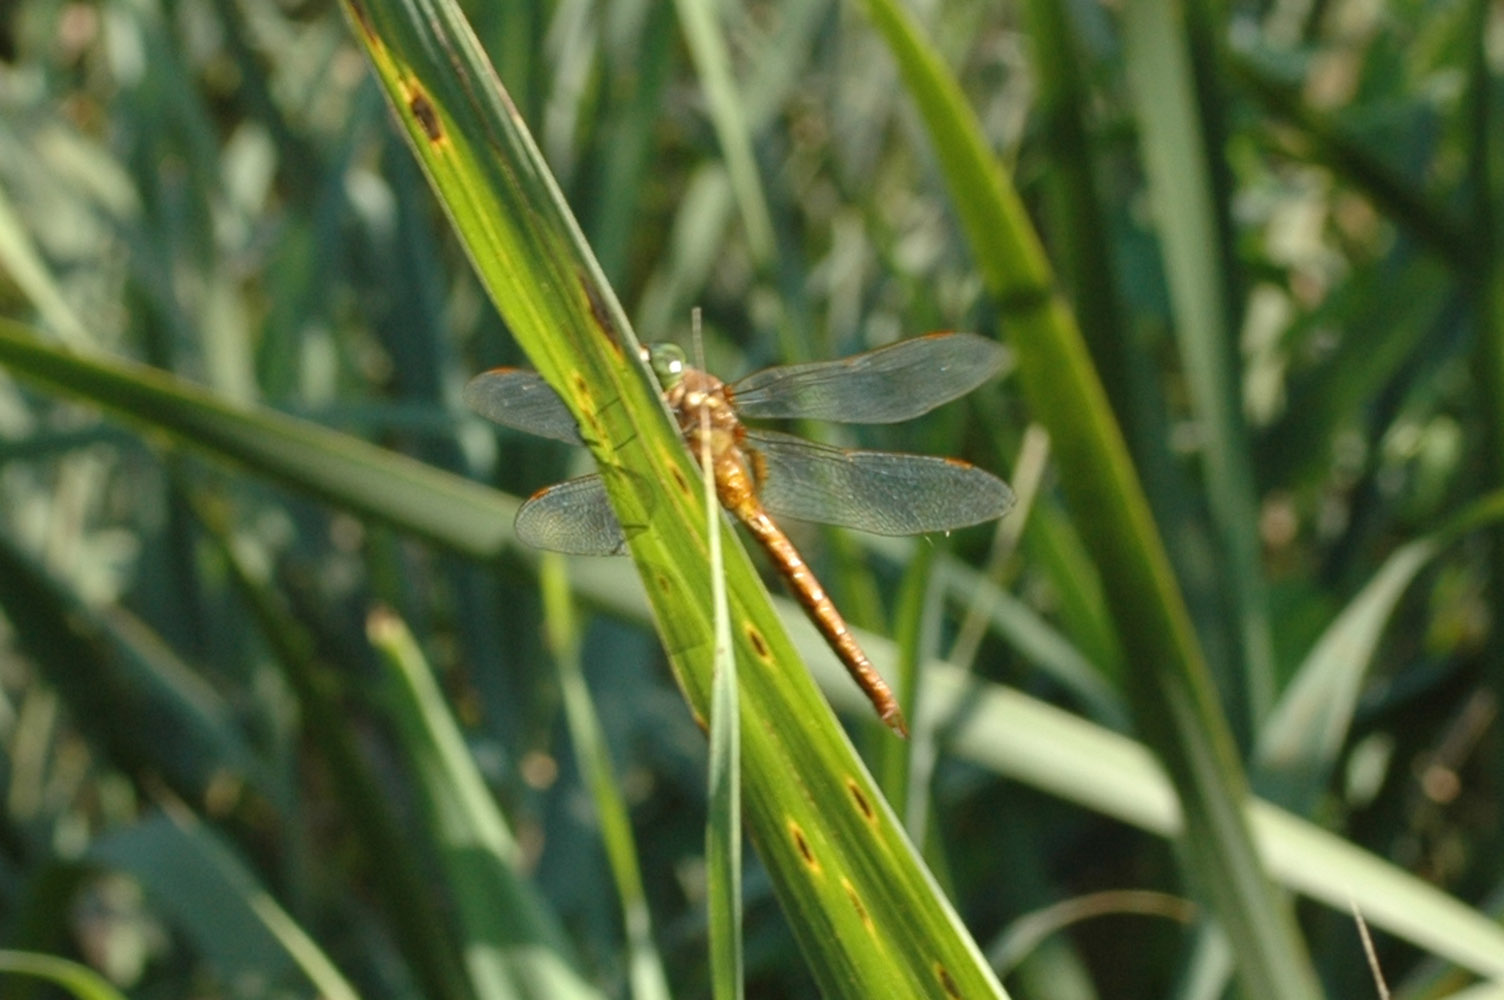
(946, 982)
(601, 314)
(759, 644)
(426, 115)
(363, 18)
(803, 846)
(860, 799)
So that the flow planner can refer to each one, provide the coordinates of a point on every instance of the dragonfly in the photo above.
(761, 475)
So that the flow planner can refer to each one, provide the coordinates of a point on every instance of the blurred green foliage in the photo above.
(212, 786)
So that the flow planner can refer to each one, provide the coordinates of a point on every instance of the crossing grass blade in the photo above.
(723, 835)
(867, 915)
(429, 502)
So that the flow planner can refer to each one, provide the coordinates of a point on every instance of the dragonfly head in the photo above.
(668, 363)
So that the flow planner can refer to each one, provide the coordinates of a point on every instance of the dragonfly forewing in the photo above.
(523, 401)
(884, 492)
(894, 383)
(574, 517)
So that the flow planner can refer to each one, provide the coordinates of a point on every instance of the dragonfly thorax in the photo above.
(706, 418)
(699, 398)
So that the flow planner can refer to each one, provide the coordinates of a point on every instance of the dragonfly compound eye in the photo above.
(667, 361)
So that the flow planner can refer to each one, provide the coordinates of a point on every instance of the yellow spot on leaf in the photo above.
(856, 904)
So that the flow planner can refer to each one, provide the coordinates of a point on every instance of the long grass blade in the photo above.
(1178, 162)
(644, 963)
(707, 44)
(865, 912)
(511, 943)
(392, 855)
(1174, 700)
(218, 901)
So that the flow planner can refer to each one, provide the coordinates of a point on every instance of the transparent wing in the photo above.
(893, 383)
(521, 400)
(574, 517)
(883, 492)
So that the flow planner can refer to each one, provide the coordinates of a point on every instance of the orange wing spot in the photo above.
(759, 644)
(947, 983)
(860, 800)
(856, 904)
(808, 855)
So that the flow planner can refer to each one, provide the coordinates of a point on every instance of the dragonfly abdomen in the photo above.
(822, 611)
